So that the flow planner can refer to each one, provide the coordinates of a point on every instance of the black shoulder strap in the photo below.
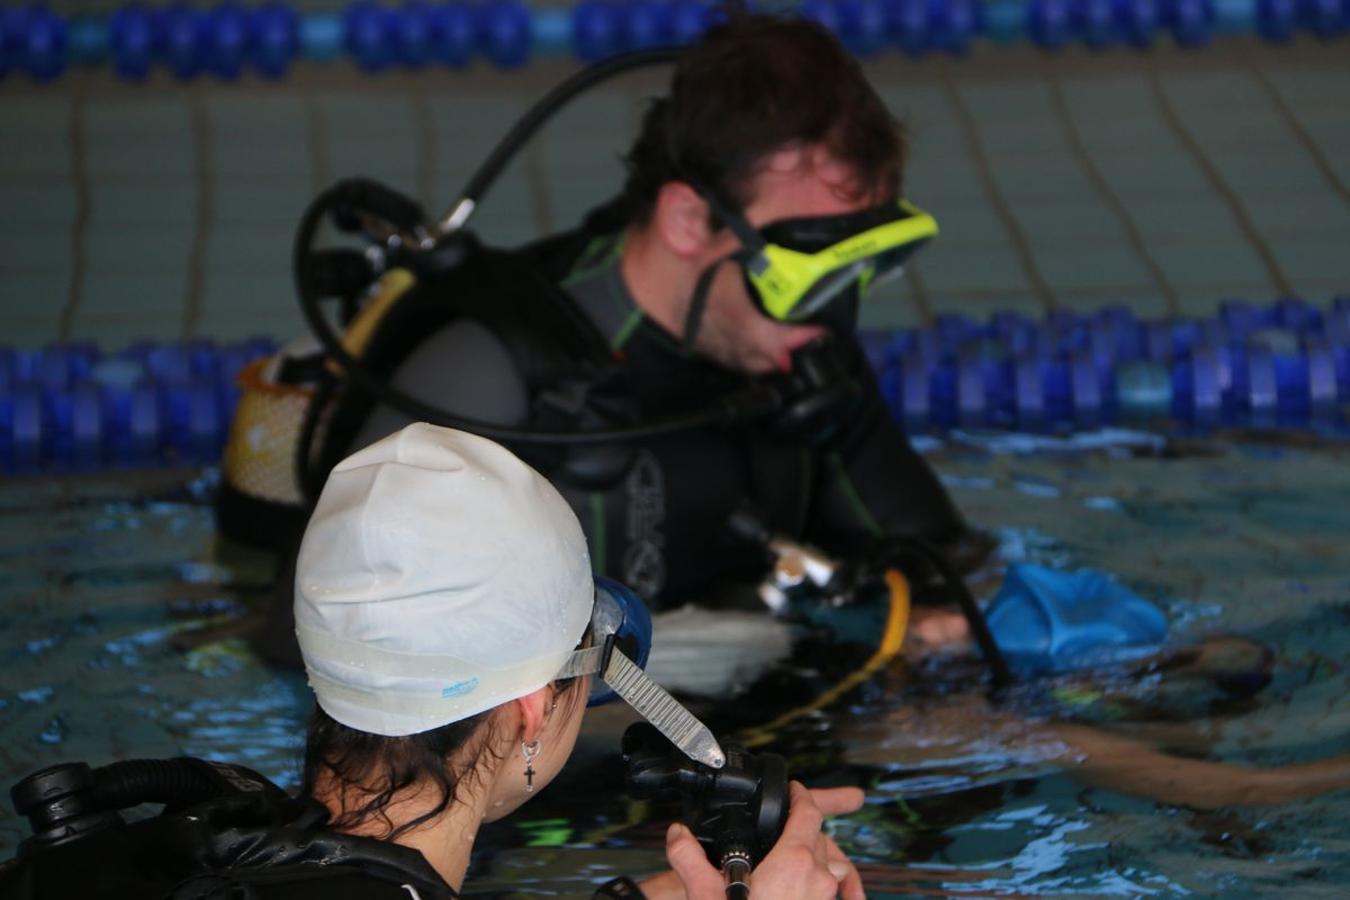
(513, 293)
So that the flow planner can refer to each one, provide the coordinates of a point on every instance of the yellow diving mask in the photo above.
(798, 269)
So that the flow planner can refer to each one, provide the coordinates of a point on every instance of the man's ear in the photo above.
(681, 219)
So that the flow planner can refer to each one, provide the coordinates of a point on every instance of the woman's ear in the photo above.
(681, 219)
(534, 708)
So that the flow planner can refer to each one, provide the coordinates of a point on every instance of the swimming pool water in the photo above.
(122, 623)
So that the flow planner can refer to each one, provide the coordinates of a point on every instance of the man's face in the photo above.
(794, 183)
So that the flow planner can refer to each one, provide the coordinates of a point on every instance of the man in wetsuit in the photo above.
(770, 127)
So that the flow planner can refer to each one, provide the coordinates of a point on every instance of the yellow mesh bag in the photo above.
(260, 455)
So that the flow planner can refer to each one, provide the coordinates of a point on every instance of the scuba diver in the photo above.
(687, 353)
(452, 658)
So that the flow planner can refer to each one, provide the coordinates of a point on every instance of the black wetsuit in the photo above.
(655, 511)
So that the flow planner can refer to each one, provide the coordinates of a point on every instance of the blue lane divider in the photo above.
(70, 407)
(1286, 364)
(230, 37)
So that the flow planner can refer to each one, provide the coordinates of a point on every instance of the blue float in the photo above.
(196, 424)
(1191, 21)
(76, 418)
(27, 429)
(1087, 391)
(908, 25)
(453, 31)
(504, 32)
(954, 24)
(275, 37)
(597, 29)
(1277, 19)
(182, 37)
(973, 383)
(1323, 390)
(1138, 21)
(43, 42)
(862, 25)
(689, 19)
(1095, 22)
(1324, 18)
(914, 395)
(647, 25)
(132, 39)
(1050, 23)
(1029, 394)
(368, 34)
(228, 40)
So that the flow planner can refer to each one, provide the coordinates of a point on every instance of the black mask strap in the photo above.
(693, 320)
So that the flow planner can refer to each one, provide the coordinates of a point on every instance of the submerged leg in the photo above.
(1133, 767)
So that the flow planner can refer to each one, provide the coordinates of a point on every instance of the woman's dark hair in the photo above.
(752, 86)
(372, 769)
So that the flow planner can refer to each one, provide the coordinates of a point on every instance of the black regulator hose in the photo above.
(307, 474)
(979, 627)
(548, 105)
(135, 781)
(67, 802)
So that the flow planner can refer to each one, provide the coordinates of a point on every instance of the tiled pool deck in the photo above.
(1166, 181)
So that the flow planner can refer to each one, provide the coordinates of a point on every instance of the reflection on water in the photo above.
(123, 625)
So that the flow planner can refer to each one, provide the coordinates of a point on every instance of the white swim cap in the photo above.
(439, 577)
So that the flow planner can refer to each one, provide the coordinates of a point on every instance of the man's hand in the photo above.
(937, 627)
(805, 864)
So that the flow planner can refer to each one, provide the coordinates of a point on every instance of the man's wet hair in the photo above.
(753, 85)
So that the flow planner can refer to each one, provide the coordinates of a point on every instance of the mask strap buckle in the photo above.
(653, 702)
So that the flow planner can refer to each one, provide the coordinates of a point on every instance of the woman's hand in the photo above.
(805, 864)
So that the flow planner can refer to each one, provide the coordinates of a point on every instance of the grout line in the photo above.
(202, 165)
(321, 166)
(79, 228)
(537, 180)
(1216, 180)
(1305, 137)
(1104, 190)
(427, 150)
(919, 291)
(1021, 244)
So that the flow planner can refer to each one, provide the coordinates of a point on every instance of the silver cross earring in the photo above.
(529, 751)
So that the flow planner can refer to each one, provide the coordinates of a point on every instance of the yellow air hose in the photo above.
(892, 637)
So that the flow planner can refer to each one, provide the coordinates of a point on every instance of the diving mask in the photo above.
(798, 269)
